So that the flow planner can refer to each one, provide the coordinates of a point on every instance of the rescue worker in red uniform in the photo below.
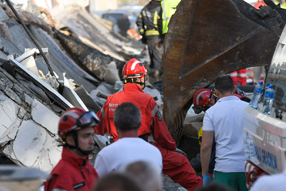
(74, 172)
(239, 76)
(153, 128)
(203, 100)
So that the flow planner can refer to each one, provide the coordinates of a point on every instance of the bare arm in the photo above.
(206, 148)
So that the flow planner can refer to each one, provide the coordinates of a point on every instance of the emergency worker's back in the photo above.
(132, 93)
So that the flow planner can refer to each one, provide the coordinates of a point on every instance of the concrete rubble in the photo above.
(28, 127)
(29, 112)
(29, 118)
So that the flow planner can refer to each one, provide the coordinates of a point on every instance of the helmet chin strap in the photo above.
(134, 81)
(141, 83)
(75, 138)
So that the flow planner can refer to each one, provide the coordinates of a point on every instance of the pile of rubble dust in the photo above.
(170, 185)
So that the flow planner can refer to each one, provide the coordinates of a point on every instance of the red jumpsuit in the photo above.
(239, 75)
(72, 173)
(175, 165)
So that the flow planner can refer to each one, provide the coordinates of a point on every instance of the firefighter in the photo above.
(203, 100)
(169, 8)
(239, 76)
(153, 128)
(74, 172)
(147, 23)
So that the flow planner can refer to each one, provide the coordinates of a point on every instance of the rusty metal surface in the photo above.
(208, 38)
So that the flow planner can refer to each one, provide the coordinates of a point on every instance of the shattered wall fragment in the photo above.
(28, 128)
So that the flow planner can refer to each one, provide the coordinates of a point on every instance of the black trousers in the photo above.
(155, 54)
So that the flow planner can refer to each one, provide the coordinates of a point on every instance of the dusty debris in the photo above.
(28, 128)
(28, 18)
(4, 31)
(106, 23)
(49, 16)
(90, 59)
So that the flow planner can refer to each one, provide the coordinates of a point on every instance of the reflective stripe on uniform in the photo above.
(151, 32)
(155, 22)
(232, 74)
(154, 111)
(57, 189)
(164, 11)
(242, 75)
(165, 19)
(102, 113)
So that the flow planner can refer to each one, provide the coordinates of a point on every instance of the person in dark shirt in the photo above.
(123, 25)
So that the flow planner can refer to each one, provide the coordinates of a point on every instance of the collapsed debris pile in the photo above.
(30, 105)
(28, 125)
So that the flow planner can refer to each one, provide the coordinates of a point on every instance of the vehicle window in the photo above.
(116, 16)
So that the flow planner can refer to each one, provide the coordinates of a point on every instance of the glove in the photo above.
(207, 179)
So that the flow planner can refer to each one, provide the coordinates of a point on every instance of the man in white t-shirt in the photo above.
(129, 148)
(224, 122)
(273, 182)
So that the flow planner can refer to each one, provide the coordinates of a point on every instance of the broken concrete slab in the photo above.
(29, 142)
(33, 145)
(50, 157)
(3, 15)
(9, 122)
(27, 128)
(8, 111)
(45, 117)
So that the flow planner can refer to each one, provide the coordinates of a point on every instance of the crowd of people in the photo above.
(142, 146)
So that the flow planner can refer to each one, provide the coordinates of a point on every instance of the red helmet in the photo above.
(134, 69)
(75, 119)
(203, 97)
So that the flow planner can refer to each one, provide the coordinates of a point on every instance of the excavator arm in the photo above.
(209, 38)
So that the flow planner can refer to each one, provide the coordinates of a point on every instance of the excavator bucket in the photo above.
(208, 38)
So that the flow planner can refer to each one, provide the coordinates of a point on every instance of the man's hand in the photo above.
(159, 43)
(207, 179)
